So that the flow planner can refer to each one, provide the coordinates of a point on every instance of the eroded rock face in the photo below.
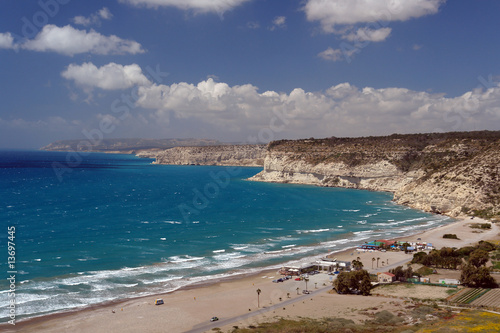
(234, 155)
(447, 173)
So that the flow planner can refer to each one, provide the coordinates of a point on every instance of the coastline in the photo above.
(226, 297)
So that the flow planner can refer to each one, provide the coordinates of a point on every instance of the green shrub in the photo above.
(451, 236)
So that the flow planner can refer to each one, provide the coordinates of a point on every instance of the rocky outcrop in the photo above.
(449, 173)
(234, 155)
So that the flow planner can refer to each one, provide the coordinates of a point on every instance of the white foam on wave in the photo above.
(219, 251)
(270, 228)
(312, 231)
(185, 258)
(172, 222)
(229, 256)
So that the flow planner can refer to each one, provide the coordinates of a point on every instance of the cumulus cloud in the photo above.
(93, 19)
(338, 54)
(340, 17)
(216, 6)
(70, 41)
(341, 110)
(279, 22)
(367, 34)
(349, 12)
(108, 77)
(6, 41)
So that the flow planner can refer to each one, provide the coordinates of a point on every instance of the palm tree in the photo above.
(387, 261)
(377, 261)
(298, 290)
(258, 296)
(373, 260)
(287, 295)
(383, 262)
(306, 279)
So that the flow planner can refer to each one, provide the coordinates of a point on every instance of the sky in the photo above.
(247, 71)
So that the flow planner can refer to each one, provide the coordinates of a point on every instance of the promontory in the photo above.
(448, 173)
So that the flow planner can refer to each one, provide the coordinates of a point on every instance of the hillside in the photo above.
(141, 147)
(234, 155)
(449, 173)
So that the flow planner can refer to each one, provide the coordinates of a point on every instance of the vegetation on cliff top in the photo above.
(406, 151)
(458, 159)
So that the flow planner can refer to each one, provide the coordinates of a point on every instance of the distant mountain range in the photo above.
(127, 146)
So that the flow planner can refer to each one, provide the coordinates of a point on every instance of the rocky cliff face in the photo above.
(449, 173)
(234, 155)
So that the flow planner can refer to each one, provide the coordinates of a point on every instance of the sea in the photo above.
(80, 229)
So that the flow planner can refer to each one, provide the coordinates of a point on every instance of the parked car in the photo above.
(214, 319)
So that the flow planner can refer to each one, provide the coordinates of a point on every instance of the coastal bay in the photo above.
(184, 310)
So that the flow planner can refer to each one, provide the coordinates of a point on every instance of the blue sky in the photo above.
(245, 70)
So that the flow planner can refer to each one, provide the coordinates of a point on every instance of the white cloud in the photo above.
(95, 18)
(70, 41)
(108, 77)
(348, 12)
(338, 54)
(279, 22)
(7, 41)
(253, 25)
(105, 14)
(342, 110)
(216, 6)
(367, 34)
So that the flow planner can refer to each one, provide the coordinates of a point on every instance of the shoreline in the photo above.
(57, 322)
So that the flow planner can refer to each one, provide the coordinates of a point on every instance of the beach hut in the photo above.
(386, 243)
(386, 277)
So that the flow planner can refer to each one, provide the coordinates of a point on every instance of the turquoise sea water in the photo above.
(102, 227)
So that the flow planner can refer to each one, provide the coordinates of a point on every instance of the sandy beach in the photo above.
(189, 309)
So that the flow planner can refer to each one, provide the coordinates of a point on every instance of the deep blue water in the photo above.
(101, 227)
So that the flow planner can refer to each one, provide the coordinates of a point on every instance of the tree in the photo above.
(365, 285)
(258, 295)
(477, 277)
(373, 260)
(357, 264)
(377, 261)
(479, 257)
(353, 281)
(398, 272)
(342, 283)
(306, 280)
